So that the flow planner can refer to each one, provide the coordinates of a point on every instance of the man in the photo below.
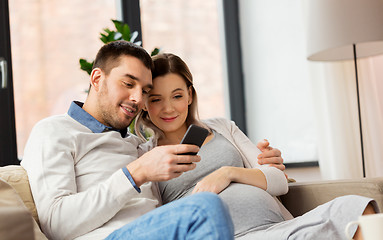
(85, 174)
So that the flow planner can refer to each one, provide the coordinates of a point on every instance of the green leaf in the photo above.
(118, 25)
(155, 52)
(126, 32)
(131, 127)
(107, 30)
(104, 38)
(111, 37)
(86, 66)
(107, 36)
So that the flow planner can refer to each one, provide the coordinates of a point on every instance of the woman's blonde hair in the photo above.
(166, 63)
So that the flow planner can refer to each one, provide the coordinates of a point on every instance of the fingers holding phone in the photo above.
(195, 135)
(166, 162)
(163, 163)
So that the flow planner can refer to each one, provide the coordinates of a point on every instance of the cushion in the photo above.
(17, 177)
(16, 221)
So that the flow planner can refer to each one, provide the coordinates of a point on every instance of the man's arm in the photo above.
(67, 209)
(55, 168)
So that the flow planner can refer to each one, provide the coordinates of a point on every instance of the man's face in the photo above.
(121, 94)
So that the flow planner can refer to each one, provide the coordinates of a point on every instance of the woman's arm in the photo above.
(218, 180)
(276, 182)
(276, 179)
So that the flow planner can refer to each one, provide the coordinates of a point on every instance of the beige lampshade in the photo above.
(335, 25)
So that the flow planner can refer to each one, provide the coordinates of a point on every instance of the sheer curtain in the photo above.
(335, 104)
(371, 80)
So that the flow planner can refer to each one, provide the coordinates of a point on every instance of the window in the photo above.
(190, 30)
(48, 38)
(277, 83)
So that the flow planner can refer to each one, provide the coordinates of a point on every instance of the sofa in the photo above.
(18, 214)
(19, 219)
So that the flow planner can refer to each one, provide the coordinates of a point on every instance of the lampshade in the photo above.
(335, 25)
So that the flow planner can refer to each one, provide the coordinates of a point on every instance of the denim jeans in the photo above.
(200, 216)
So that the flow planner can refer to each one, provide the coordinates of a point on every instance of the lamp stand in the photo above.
(359, 113)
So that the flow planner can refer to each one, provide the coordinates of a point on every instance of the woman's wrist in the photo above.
(252, 176)
(229, 172)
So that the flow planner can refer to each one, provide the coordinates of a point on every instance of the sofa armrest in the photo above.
(303, 197)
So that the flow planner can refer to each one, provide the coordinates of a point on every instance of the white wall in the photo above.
(277, 87)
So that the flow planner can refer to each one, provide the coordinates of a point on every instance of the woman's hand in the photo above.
(215, 182)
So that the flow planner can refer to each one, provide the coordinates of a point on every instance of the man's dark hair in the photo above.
(108, 56)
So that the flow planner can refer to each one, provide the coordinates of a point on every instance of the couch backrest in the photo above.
(17, 206)
(17, 177)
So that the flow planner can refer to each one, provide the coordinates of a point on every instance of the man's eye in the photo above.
(128, 84)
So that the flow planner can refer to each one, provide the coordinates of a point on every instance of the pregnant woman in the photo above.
(229, 166)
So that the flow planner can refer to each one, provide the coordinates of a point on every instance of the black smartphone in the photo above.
(194, 135)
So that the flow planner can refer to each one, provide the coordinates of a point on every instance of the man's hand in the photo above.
(163, 163)
(270, 155)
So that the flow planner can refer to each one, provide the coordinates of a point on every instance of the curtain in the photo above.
(371, 82)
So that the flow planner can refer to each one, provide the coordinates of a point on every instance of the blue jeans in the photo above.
(200, 216)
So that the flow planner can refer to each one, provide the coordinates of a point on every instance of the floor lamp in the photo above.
(342, 30)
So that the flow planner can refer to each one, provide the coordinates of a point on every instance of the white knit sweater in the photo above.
(76, 179)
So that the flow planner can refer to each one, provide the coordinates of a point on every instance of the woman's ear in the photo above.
(190, 91)
(96, 77)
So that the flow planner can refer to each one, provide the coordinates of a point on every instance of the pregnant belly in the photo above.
(251, 208)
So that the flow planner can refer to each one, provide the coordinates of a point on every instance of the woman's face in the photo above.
(168, 103)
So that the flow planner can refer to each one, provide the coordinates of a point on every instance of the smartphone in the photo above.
(194, 135)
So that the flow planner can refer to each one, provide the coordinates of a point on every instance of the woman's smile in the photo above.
(168, 119)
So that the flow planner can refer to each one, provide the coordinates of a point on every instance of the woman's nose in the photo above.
(168, 107)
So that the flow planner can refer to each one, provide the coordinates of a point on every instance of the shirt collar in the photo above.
(83, 117)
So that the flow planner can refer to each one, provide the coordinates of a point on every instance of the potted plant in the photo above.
(122, 32)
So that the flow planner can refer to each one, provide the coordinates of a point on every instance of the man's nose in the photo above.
(136, 95)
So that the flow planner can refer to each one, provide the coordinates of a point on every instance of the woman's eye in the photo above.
(154, 100)
(177, 96)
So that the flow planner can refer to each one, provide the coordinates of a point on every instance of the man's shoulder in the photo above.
(55, 123)
(134, 139)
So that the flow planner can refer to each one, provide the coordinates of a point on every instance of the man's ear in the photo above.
(96, 77)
